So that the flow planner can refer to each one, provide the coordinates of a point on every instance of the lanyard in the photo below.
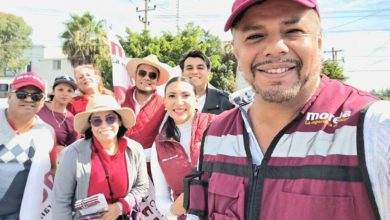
(105, 172)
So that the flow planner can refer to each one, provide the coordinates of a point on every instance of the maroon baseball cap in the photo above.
(240, 6)
(28, 79)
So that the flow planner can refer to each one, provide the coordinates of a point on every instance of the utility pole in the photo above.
(177, 15)
(334, 54)
(145, 18)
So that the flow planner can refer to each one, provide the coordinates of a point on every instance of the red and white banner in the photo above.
(148, 207)
(120, 80)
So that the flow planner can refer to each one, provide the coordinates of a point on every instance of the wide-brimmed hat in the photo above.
(101, 103)
(151, 60)
(65, 79)
(240, 6)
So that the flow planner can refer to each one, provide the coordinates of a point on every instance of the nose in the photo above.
(275, 47)
(179, 100)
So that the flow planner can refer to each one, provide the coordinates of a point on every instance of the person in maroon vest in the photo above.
(143, 99)
(307, 147)
(177, 146)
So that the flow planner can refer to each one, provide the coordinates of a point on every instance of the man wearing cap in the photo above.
(307, 147)
(27, 152)
(195, 65)
(148, 106)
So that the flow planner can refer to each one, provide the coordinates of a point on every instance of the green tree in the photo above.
(85, 42)
(383, 94)
(14, 39)
(333, 70)
(169, 48)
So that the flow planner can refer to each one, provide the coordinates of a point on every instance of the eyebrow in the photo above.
(255, 27)
(291, 21)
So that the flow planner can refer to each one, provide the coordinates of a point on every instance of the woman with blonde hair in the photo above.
(104, 161)
(89, 82)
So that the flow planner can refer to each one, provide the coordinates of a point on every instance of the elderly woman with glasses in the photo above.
(104, 161)
(54, 111)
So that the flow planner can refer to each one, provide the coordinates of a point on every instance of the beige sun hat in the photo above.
(151, 60)
(101, 103)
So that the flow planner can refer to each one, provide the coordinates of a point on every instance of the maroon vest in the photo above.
(313, 169)
(172, 157)
(148, 121)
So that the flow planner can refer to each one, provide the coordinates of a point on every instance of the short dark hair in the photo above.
(195, 54)
(121, 131)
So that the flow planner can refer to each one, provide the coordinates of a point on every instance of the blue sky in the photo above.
(359, 28)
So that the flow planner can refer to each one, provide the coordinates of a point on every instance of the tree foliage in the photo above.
(333, 70)
(169, 48)
(383, 94)
(85, 42)
(14, 39)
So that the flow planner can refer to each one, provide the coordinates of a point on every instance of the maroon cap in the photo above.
(28, 79)
(241, 5)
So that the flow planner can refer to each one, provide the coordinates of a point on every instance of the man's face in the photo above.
(196, 70)
(26, 106)
(146, 78)
(277, 44)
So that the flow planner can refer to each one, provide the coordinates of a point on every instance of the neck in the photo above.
(142, 96)
(201, 90)
(91, 91)
(22, 123)
(57, 107)
(110, 146)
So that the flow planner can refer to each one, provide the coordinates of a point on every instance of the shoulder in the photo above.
(80, 146)
(218, 92)
(378, 113)
(226, 123)
(134, 146)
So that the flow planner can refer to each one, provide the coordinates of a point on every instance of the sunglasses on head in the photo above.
(97, 121)
(22, 95)
(151, 75)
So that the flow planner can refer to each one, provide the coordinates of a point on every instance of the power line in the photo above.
(356, 20)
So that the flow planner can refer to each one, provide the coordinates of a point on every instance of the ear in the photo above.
(235, 50)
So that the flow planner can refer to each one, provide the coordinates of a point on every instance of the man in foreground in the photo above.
(27, 152)
(308, 147)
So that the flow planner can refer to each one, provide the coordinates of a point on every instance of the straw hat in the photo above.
(101, 103)
(151, 60)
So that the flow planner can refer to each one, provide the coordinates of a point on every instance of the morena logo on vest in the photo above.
(315, 118)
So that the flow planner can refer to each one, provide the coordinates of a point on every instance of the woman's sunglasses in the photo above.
(22, 95)
(97, 121)
(151, 75)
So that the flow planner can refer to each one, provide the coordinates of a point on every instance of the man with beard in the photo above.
(307, 147)
(148, 106)
(196, 66)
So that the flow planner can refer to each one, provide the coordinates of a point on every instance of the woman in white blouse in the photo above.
(176, 148)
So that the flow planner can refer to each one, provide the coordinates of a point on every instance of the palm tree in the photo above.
(84, 40)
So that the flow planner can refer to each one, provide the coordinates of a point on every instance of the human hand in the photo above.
(112, 213)
(178, 208)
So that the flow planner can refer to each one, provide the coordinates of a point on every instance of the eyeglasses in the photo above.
(151, 75)
(97, 121)
(22, 95)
